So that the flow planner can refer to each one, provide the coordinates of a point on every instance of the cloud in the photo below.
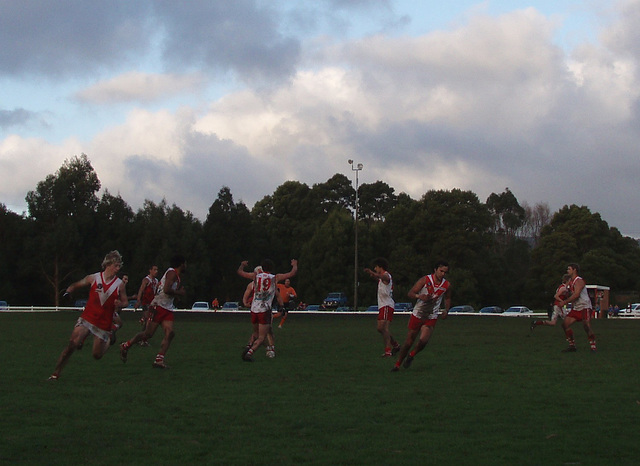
(140, 87)
(484, 105)
(27, 161)
(67, 37)
(18, 117)
(242, 36)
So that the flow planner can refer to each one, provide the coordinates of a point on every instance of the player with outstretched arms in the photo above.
(429, 291)
(264, 292)
(106, 295)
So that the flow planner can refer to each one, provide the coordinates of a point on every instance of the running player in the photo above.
(386, 304)
(146, 293)
(580, 309)
(429, 292)
(106, 295)
(162, 306)
(558, 311)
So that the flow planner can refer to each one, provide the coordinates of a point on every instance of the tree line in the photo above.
(501, 252)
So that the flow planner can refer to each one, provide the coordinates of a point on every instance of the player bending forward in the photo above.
(429, 292)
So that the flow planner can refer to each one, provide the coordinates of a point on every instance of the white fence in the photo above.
(246, 311)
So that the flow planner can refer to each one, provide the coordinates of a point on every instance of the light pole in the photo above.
(356, 169)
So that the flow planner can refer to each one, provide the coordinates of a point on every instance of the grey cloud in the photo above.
(76, 37)
(16, 117)
(193, 184)
(239, 35)
(66, 37)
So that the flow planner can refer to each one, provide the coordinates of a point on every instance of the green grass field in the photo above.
(485, 391)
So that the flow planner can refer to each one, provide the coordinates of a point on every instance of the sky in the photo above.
(175, 100)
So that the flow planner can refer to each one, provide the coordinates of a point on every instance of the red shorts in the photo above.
(160, 314)
(262, 318)
(583, 315)
(416, 324)
(385, 313)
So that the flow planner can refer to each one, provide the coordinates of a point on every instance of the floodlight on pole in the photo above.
(356, 169)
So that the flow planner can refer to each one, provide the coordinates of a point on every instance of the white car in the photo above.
(200, 306)
(517, 311)
(633, 312)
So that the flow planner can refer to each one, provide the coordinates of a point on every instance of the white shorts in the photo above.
(558, 312)
(102, 334)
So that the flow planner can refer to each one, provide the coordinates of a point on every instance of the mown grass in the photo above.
(485, 391)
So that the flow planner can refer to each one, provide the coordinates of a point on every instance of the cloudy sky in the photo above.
(176, 99)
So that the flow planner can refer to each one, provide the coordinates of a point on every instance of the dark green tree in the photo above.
(229, 239)
(63, 207)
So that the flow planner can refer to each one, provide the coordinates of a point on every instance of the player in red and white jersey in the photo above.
(386, 304)
(559, 311)
(162, 308)
(429, 292)
(247, 300)
(264, 292)
(146, 293)
(580, 309)
(106, 295)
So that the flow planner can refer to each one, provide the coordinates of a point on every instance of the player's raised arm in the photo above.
(291, 273)
(243, 273)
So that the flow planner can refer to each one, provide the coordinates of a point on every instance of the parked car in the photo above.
(201, 305)
(491, 310)
(461, 309)
(80, 303)
(403, 307)
(518, 311)
(312, 307)
(231, 306)
(334, 300)
(131, 304)
(373, 308)
(633, 312)
(4, 306)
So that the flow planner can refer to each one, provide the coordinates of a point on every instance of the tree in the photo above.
(508, 216)
(229, 239)
(62, 207)
(536, 218)
(336, 192)
(376, 201)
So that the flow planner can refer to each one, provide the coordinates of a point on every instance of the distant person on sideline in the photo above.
(106, 295)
